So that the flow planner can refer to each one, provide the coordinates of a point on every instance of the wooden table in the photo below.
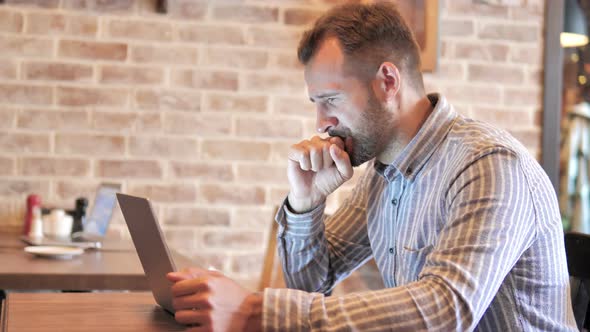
(117, 268)
(32, 312)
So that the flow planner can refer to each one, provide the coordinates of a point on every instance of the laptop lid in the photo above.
(97, 222)
(150, 246)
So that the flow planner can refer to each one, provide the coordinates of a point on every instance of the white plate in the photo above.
(54, 251)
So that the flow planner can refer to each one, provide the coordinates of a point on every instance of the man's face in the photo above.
(345, 105)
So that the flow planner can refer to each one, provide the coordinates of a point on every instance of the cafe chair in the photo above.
(577, 248)
(272, 272)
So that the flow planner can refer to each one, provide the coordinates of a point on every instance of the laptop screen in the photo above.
(97, 222)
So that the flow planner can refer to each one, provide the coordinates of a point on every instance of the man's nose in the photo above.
(324, 123)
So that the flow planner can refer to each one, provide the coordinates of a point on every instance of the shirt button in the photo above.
(394, 201)
(391, 250)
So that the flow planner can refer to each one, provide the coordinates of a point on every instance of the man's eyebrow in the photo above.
(323, 96)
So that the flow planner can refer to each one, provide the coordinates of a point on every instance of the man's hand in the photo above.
(209, 301)
(316, 168)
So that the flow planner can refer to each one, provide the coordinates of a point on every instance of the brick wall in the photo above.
(196, 108)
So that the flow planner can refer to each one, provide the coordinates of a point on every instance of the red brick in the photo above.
(231, 194)
(7, 118)
(273, 37)
(496, 73)
(211, 34)
(181, 239)
(187, 9)
(165, 193)
(57, 71)
(128, 169)
(89, 144)
(300, 16)
(468, 7)
(131, 75)
(101, 6)
(280, 151)
(523, 97)
(161, 99)
(11, 22)
(278, 195)
(503, 118)
(42, 166)
(46, 23)
(6, 166)
(197, 124)
(82, 25)
(247, 263)
(259, 217)
(509, 32)
(150, 146)
(451, 70)
(457, 27)
(285, 61)
(471, 94)
(245, 13)
(22, 188)
(148, 122)
(23, 143)
(8, 69)
(201, 170)
(196, 216)
(235, 150)
(235, 103)
(527, 13)
(235, 58)
(293, 106)
(165, 54)
(259, 173)
(71, 189)
(274, 83)
(34, 3)
(201, 79)
(114, 121)
(46, 119)
(234, 239)
(91, 97)
(26, 46)
(480, 51)
(530, 138)
(92, 50)
(275, 128)
(143, 30)
(26, 94)
(532, 56)
(58, 24)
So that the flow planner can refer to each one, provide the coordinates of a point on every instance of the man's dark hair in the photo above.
(369, 34)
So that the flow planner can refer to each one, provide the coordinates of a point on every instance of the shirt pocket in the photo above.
(410, 262)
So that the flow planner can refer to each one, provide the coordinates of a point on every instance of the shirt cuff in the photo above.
(286, 310)
(300, 225)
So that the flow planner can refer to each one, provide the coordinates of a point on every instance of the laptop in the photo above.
(150, 245)
(95, 225)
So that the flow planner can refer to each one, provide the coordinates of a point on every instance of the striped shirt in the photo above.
(465, 230)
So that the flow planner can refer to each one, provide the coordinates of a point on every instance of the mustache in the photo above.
(343, 134)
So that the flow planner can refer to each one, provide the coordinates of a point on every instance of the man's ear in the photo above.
(387, 81)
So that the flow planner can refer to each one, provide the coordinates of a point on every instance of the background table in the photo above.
(115, 267)
(26, 312)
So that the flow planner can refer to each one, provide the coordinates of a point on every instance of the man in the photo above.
(462, 222)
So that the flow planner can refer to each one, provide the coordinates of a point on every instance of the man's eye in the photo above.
(331, 101)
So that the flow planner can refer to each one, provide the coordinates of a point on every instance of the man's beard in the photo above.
(371, 133)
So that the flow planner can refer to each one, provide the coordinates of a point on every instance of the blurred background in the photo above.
(196, 107)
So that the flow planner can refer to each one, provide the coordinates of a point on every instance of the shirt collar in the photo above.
(415, 155)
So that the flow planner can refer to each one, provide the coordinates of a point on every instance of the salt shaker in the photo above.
(36, 223)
